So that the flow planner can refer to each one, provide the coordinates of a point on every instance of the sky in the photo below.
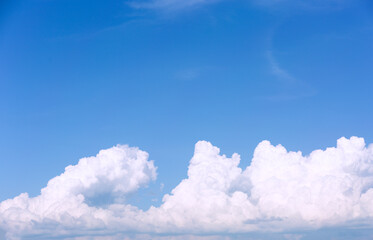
(124, 119)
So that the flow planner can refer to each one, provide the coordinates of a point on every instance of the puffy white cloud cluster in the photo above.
(63, 202)
(278, 191)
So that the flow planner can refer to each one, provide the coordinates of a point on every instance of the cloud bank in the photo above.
(278, 191)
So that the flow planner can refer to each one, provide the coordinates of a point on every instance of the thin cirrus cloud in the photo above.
(279, 191)
(278, 71)
(171, 5)
(290, 88)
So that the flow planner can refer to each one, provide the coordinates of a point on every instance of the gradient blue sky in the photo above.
(77, 76)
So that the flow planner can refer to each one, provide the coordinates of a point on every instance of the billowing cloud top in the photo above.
(279, 191)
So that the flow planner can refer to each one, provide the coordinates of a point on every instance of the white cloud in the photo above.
(63, 202)
(278, 191)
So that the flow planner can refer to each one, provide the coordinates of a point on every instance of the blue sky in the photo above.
(77, 76)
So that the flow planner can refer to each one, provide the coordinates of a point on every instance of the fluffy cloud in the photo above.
(63, 203)
(278, 191)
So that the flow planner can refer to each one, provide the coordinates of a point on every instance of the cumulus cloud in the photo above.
(63, 202)
(278, 191)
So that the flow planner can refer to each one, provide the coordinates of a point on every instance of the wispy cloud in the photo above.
(279, 72)
(307, 5)
(188, 74)
(193, 73)
(171, 5)
(288, 86)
